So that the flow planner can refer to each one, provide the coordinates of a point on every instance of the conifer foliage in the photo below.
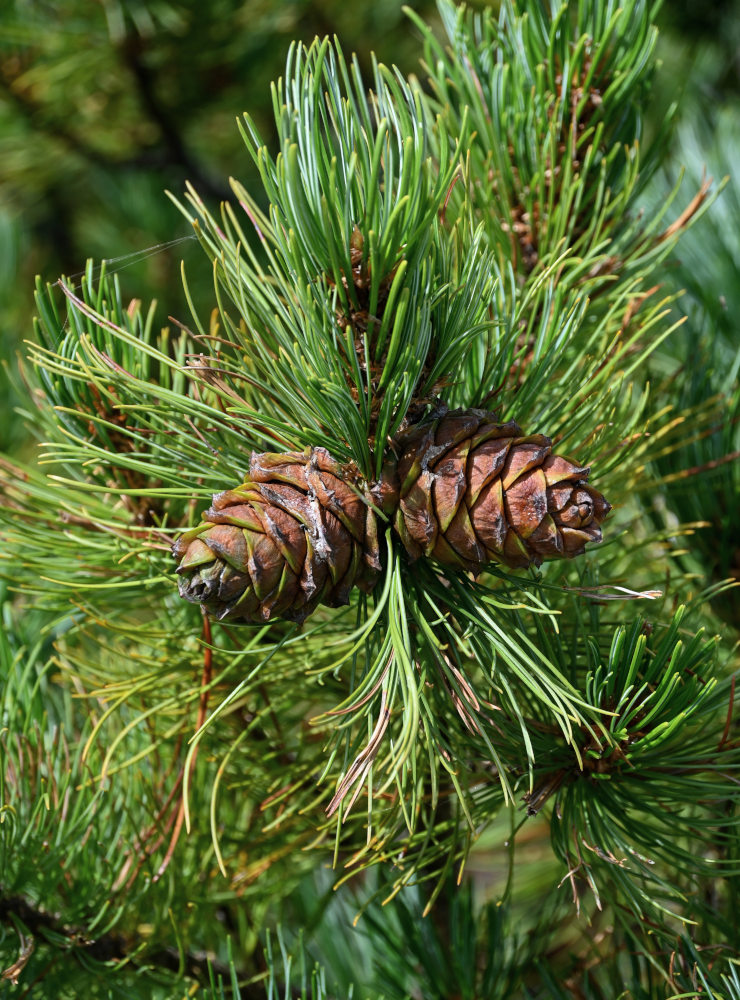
(376, 467)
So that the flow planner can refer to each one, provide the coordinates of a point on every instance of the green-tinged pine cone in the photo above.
(465, 490)
(294, 536)
(473, 491)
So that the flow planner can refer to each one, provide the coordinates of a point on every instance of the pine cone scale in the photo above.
(490, 430)
(241, 516)
(575, 540)
(229, 545)
(558, 496)
(557, 469)
(288, 535)
(528, 454)
(447, 555)
(418, 515)
(516, 553)
(450, 484)
(462, 537)
(526, 502)
(546, 540)
(485, 463)
(488, 516)
(410, 463)
(336, 549)
(264, 563)
(195, 554)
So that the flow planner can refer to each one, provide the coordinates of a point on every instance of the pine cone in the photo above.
(473, 491)
(466, 491)
(293, 536)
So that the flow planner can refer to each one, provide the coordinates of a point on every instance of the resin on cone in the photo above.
(464, 490)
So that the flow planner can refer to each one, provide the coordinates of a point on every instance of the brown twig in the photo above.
(110, 947)
(202, 709)
(728, 722)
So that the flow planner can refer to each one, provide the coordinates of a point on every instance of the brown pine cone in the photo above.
(473, 491)
(293, 536)
(465, 490)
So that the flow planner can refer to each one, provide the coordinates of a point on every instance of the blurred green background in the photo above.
(105, 104)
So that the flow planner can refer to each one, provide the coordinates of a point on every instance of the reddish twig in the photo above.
(202, 708)
(728, 723)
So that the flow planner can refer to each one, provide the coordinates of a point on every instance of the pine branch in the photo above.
(388, 675)
(113, 948)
